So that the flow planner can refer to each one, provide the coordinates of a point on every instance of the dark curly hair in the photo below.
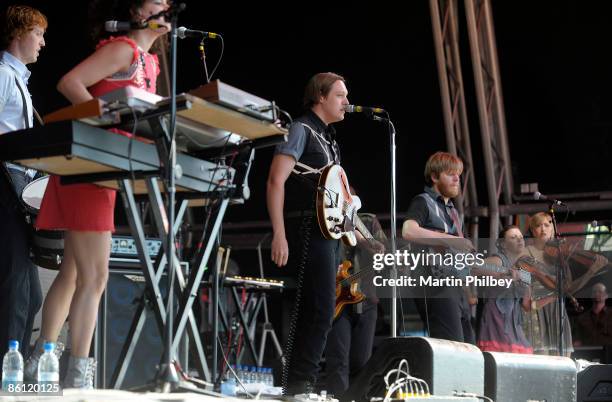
(101, 11)
(502, 235)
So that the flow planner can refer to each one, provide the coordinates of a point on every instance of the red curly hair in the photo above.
(17, 20)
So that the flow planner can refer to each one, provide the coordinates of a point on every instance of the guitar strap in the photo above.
(433, 205)
(301, 169)
(307, 174)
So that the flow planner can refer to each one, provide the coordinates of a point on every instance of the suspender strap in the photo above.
(26, 115)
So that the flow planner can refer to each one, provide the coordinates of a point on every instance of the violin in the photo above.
(531, 265)
(536, 269)
(585, 258)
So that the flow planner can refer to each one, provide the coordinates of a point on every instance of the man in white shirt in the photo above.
(22, 30)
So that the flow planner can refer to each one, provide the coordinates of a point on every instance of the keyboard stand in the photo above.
(152, 294)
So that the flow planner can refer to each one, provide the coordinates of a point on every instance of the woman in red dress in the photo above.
(85, 211)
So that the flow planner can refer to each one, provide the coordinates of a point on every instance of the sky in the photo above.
(554, 62)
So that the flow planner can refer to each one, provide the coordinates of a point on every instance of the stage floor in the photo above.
(104, 395)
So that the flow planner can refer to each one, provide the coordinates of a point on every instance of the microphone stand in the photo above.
(167, 377)
(560, 279)
(393, 214)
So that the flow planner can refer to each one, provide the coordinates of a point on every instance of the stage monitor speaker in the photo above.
(123, 293)
(512, 377)
(595, 383)
(447, 367)
(442, 399)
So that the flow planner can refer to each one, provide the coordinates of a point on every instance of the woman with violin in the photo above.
(542, 323)
(501, 320)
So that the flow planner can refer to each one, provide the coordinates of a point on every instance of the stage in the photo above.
(99, 395)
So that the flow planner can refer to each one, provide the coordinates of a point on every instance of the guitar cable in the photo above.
(305, 231)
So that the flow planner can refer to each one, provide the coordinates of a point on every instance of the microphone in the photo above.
(183, 33)
(363, 109)
(539, 196)
(123, 26)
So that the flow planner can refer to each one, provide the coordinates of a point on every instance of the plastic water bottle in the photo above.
(12, 367)
(253, 375)
(261, 375)
(269, 377)
(48, 366)
(240, 373)
(246, 377)
(247, 374)
(228, 386)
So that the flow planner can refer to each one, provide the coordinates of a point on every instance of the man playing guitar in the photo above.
(350, 342)
(292, 188)
(433, 220)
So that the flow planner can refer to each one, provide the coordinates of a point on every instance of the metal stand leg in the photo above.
(190, 293)
(267, 326)
(153, 276)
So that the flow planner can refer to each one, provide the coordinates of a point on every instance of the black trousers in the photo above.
(20, 291)
(317, 258)
(447, 318)
(349, 346)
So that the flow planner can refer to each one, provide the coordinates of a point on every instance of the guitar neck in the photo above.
(361, 227)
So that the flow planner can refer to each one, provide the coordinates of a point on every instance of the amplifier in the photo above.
(595, 383)
(449, 368)
(125, 247)
(116, 312)
(511, 377)
(434, 398)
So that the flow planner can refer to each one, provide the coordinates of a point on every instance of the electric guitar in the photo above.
(347, 288)
(337, 217)
(337, 207)
(347, 284)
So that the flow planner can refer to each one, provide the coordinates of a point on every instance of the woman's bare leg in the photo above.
(91, 251)
(58, 299)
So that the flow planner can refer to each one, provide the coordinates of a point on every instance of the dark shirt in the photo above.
(312, 143)
(430, 211)
(425, 214)
(595, 329)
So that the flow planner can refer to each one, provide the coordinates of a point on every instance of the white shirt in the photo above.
(11, 103)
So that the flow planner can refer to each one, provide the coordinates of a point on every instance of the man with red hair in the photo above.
(22, 30)
(433, 220)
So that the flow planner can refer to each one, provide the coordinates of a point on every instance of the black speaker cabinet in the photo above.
(123, 294)
(511, 377)
(448, 367)
(595, 383)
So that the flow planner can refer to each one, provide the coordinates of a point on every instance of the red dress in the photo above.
(88, 207)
